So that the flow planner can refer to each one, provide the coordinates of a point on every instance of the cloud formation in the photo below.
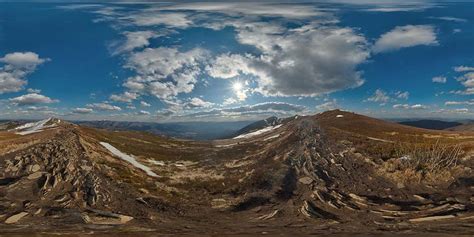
(17, 66)
(379, 96)
(32, 99)
(404, 37)
(164, 72)
(82, 110)
(104, 107)
(439, 79)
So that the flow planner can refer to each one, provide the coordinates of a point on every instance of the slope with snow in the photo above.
(258, 132)
(35, 127)
(130, 159)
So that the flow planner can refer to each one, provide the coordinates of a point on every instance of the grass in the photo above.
(432, 158)
(423, 162)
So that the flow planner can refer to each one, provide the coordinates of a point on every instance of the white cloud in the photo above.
(27, 60)
(407, 106)
(144, 104)
(449, 18)
(463, 69)
(402, 95)
(17, 66)
(30, 90)
(229, 101)
(318, 59)
(259, 9)
(135, 40)
(178, 20)
(125, 97)
(198, 103)
(439, 79)
(227, 66)
(82, 110)
(379, 96)
(31, 99)
(143, 112)
(406, 36)
(330, 105)
(467, 102)
(466, 80)
(164, 72)
(104, 107)
(247, 112)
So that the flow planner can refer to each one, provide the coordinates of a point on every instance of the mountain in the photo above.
(331, 173)
(185, 130)
(467, 127)
(431, 124)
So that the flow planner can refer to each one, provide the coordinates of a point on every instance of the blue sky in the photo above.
(208, 61)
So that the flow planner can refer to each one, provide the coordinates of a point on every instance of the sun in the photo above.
(237, 86)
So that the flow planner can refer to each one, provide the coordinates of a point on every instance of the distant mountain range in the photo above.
(431, 124)
(186, 130)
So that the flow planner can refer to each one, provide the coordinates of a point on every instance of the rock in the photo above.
(305, 180)
(432, 218)
(15, 218)
(400, 185)
(35, 168)
(36, 175)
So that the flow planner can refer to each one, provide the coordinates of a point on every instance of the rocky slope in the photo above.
(316, 174)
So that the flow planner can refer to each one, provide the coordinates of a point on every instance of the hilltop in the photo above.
(334, 172)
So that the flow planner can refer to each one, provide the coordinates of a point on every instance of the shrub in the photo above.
(432, 158)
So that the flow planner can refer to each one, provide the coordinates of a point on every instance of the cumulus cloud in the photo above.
(463, 69)
(402, 95)
(198, 103)
(407, 106)
(317, 59)
(330, 105)
(439, 79)
(164, 72)
(82, 110)
(143, 112)
(27, 60)
(467, 102)
(32, 99)
(466, 80)
(125, 97)
(248, 111)
(178, 20)
(104, 107)
(404, 37)
(16, 68)
(227, 66)
(144, 104)
(258, 9)
(449, 18)
(379, 96)
(134, 40)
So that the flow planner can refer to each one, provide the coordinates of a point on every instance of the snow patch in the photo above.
(130, 159)
(258, 132)
(272, 137)
(157, 162)
(29, 128)
(340, 116)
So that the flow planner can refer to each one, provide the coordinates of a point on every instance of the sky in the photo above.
(225, 61)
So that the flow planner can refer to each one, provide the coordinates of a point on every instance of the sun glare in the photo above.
(237, 86)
